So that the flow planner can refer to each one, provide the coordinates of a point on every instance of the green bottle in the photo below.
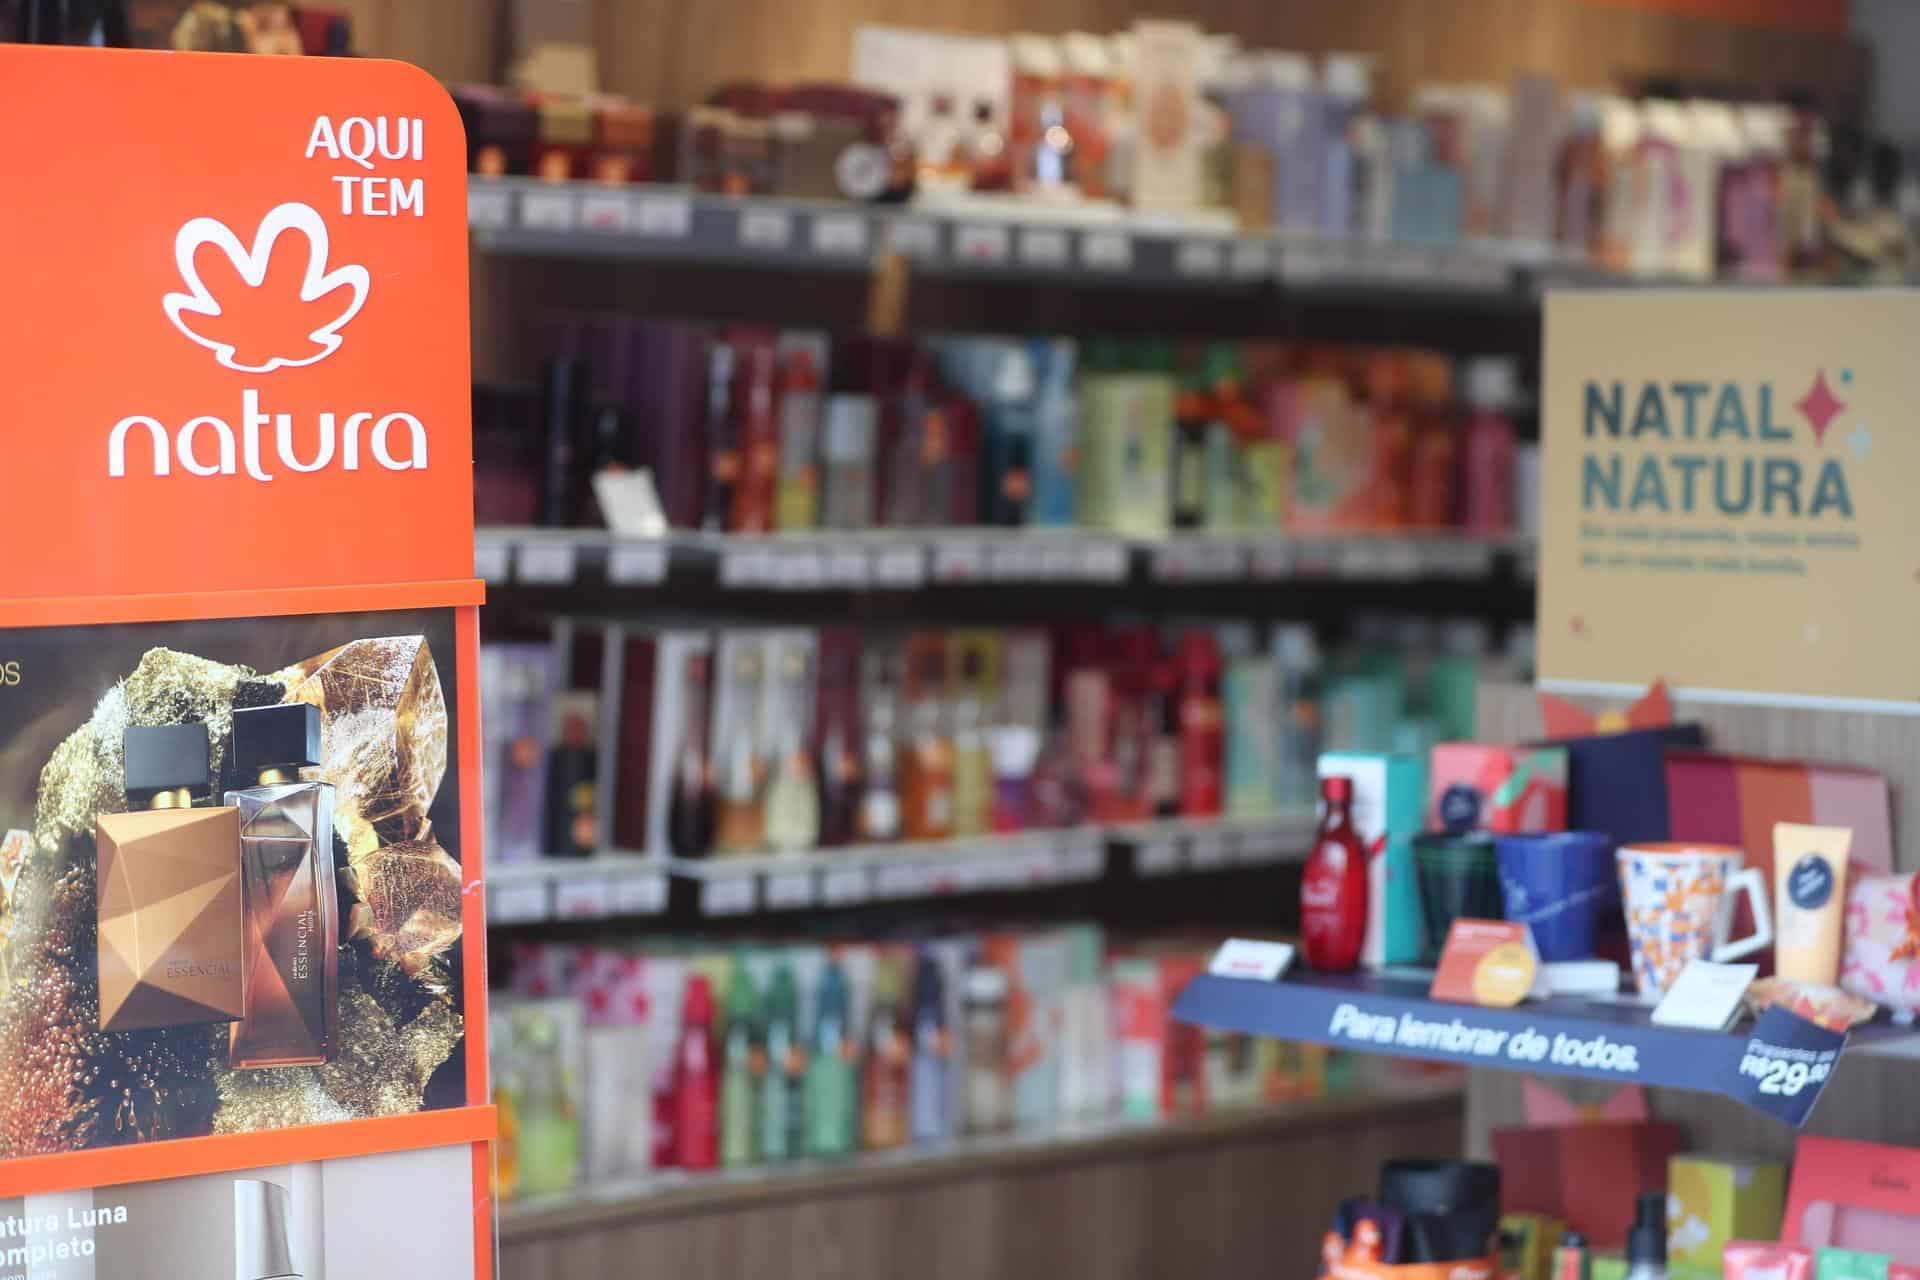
(832, 1096)
(782, 1106)
(740, 1071)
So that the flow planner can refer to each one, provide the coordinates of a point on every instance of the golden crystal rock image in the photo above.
(409, 902)
(384, 733)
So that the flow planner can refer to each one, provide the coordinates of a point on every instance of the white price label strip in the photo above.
(582, 899)
(1106, 250)
(640, 895)
(524, 903)
(847, 567)
(914, 237)
(668, 217)
(1157, 856)
(959, 562)
(605, 211)
(547, 210)
(1209, 849)
(634, 566)
(982, 243)
(488, 210)
(789, 890)
(1199, 259)
(844, 886)
(1044, 247)
(727, 895)
(840, 234)
(905, 880)
(547, 563)
(769, 229)
(900, 566)
(490, 561)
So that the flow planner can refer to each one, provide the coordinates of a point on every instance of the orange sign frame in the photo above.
(234, 365)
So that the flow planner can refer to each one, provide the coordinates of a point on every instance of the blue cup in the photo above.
(1557, 883)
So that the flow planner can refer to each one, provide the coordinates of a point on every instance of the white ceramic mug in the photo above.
(1679, 901)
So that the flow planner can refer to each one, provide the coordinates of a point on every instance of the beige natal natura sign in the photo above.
(1731, 494)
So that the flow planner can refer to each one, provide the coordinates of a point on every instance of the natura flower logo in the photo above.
(272, 305)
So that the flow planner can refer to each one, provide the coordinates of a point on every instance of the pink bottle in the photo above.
(1486, 459)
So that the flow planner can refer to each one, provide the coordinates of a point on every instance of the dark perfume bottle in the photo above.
(168, 890)
(287, 874)
(572, 772)
(690, 792)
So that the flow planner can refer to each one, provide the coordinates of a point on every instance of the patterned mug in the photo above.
(1679, 901)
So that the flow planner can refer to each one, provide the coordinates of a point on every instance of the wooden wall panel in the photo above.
(1224, 1198)
(673, 52)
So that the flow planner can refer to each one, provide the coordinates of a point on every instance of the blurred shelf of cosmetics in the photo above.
(784, 740)
(611, 1061)
(749, 430)
(1167, 124)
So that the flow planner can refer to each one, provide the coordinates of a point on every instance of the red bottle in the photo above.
(696, 1089)
(1202, 731)
(1333, 892)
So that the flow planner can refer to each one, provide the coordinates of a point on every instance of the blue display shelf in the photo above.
(1595, 1040)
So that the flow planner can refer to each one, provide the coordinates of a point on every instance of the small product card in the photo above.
(1705, 996)
(1486, 962)
(1251, 958)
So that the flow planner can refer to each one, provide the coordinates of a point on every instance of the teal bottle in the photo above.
(782, 1104)
(740, 1072)
(832, 1094)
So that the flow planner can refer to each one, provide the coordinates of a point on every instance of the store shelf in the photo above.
(908, 559)
(1184, 846)
(1390, 1013)
(615, 884)
(607, 884)
(672, 1192)
(1088, 248)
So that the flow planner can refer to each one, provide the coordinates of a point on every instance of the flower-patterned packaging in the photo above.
(1882, 960)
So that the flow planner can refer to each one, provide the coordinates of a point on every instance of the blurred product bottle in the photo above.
(832, 1093)
(797, 500)
(549, 1124)
(793, 796)
(1192, 418)
(1056, 431)
(972, 763)
(1007, 469)
(1487, 484)
(690, 802)
(1202, 729)
(1015, 749)
(563, 414)
(756, 411)
(926, 784)
(782, 1102)
(572, 790)
(989, 1100)
(985, 151)
(723, 436)
(932, 1052)
(1298, 714)
(847, 444)
(884, 1121)
(880, 798)
(742, 1071)
(740, 820)
(838, 757)
(696, 1091)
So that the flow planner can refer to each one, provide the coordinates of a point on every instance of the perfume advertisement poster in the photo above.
(230, 882)
(285, 1222)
